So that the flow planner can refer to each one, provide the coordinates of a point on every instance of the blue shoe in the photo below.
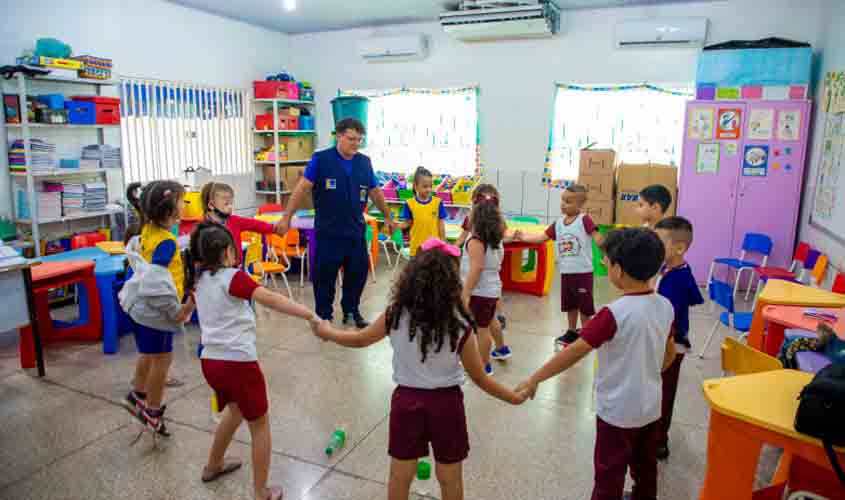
(501, 354)
(488, 369)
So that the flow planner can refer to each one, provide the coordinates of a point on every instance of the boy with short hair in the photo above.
(631, 337)
(653, 204)
(676, 283)
(573, 233)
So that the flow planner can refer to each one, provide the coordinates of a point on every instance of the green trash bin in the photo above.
(351, 106)
(599, 268)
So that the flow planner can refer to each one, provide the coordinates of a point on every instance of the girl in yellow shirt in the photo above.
(424, 214)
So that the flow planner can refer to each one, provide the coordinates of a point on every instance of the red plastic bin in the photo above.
(269, 90)
(264, 122)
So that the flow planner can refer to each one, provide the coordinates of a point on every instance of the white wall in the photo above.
(517, 77)
(151, 39)
(833, 59)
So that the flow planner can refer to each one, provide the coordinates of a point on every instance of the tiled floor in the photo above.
(66, 438)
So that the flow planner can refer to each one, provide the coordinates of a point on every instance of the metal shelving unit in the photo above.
(275, 104)
(25, 128)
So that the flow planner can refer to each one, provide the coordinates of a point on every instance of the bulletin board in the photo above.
(828, 213)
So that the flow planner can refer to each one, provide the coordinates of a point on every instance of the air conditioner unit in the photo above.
(393, 48)
(536, 20)
(682, 32)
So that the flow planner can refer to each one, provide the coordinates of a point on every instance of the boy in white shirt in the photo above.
(631, 337)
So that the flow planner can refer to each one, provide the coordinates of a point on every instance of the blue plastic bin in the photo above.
(306, 122)
(81, 112)
(53, 101)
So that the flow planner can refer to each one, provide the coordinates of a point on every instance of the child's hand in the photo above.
(321, 328)
(527, 389)
(518, 398)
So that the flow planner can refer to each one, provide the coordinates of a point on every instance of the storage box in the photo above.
(738, 67)
(264, 122)
(107, 109)
(462, 193)
(97, 68)
(53, 62)
(291, 90)
(298, 148)
(81, 112)
(52, 101)
(291, 180)
(268, 90)
(601, 211)
(287, 122)
(51, 116)
(599, 187)
(306, 122)
(596, 162)
(631, 179)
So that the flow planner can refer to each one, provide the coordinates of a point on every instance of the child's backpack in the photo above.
(821, 411)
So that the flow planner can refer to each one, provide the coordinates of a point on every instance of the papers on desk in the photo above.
(812, 312)
(9, 257)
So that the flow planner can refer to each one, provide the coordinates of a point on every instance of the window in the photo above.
(168, 127)
(436, 128)
(642, 123)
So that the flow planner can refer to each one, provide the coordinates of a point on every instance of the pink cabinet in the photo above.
(742, 170)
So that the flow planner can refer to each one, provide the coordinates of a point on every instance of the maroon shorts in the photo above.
(483, 309)
(239, 382)
(576, 293)
(422, 416)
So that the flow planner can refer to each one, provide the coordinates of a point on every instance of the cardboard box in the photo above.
(599, 187)
(631, 179)
(600, 211)
(299, 148)
(291, 176)
(596, 162)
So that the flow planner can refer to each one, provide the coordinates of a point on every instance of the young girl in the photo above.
(430, 331)
(424, 214)
(229, 358)
(218, 203)
(152, 297)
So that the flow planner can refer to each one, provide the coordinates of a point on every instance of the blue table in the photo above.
(108, 271)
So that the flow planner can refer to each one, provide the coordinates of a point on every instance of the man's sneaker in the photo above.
(501, 354)
(488, 369)
(134, 404)
(662, 451)
(360, 322)
(502, 320)
(154, 421)
(567, 338)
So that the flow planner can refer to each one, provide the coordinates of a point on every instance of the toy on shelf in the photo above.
(267, 154)
(336, 442)
(444, 191)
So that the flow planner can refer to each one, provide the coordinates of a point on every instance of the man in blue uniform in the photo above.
(341, 180)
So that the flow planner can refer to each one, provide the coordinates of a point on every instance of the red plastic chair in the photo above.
(84, 240)
(773, 272)
(270, 208)
(839, 284)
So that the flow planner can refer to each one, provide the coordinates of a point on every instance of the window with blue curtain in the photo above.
(643, 123)
(435, 128)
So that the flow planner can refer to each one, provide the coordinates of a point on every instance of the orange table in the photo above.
(779, 318)
(782, 292)
(746, 412)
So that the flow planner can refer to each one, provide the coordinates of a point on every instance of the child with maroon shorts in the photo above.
(432, 335)
(229, 358)
(573, 235)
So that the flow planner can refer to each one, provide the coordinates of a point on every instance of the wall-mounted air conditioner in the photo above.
(538, 19)
(393, 48)
(684, 32)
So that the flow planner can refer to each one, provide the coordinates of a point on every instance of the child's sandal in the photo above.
(227, 468)
(275, 493)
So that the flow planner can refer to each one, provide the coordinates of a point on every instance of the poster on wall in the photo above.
(701, 124)
(755, 161)
(727, 126)
(761, 124)
(789, 125)
(731, 149)
(707, 158)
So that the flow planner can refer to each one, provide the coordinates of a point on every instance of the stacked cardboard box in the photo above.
(292, 175)
(596, 172)
(631, 179)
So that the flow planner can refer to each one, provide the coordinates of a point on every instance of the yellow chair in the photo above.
(740, 359)
(112, 247)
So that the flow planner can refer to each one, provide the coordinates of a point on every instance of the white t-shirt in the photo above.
(440, 369)
(629, 336)
(227, 321)
(574, 244)
(489, 282)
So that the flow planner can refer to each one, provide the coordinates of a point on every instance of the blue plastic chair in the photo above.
(722, 294)
(757, 243)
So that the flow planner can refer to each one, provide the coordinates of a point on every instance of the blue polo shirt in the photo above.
(679, 286)
(311, 168)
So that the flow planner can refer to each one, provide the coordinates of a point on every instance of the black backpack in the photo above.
(821, 412)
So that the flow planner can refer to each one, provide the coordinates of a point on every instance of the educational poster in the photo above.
(701, 124)
(707, 158)
(789, 125)
(728, 123)
(761, 124)
(731, 149)
(755, 161)
(830, 169)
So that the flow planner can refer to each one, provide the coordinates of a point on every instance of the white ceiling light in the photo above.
(289, 4)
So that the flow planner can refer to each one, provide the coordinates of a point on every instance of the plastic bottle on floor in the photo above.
(336, 442)
(423, 475)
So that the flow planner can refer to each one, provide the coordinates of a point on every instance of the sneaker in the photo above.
(134, 404)
(501, 354)
(567, 338)
(360, 322)
(488, 369)
(502, 320)
(154, 420)
(662, 451)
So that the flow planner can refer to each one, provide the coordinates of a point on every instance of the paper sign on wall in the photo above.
(707, 158)
(730, 149)
(755, 161)
(761, 124)
(728, 123)
(789, 125)
(701, 124)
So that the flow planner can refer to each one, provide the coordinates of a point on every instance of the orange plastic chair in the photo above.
(277, 262)
(270, 208)
(819, 270)
(294, 250)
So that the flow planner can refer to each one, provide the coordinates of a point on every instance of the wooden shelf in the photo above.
(66, 125)
(63, 172)
(87, 215)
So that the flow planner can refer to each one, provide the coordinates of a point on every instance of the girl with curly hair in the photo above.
(431, 332)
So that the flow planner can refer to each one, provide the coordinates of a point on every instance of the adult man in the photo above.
(341, 180)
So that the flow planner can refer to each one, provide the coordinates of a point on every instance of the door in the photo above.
(709, 172)
(769, 194)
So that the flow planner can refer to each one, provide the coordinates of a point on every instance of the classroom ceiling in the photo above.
(325, 15)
